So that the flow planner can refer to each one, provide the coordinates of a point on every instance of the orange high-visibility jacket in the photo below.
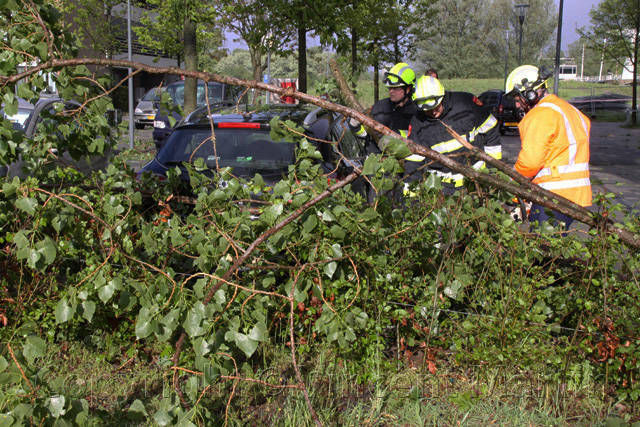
(555, 149)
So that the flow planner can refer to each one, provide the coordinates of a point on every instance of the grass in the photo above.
(566, 89)
(409, 396)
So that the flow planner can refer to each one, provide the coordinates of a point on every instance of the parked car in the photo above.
(145, 112)
(217, 93)
(503, 109)
(27, 119)
(243, 142)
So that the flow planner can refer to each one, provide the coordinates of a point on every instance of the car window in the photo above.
(20, 119)
(348, 144)
(238, 148)
(215, 94)
(153, 94)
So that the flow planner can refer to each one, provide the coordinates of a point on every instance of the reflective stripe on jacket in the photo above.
(469, 119)
(555, 149)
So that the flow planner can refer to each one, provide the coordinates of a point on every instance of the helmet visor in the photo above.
(393, 80)
(429, 103)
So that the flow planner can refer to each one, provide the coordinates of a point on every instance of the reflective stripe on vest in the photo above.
(573, 144)
(578, 167)
(415, 158)
(494, 151)
(567, 183)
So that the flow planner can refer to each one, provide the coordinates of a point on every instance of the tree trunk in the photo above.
(190, 64)
(376, 72)
(354, 53)
(302, 55)
(256, 65)
(396, 50)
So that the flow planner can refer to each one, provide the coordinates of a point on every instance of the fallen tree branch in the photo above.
(520, 186)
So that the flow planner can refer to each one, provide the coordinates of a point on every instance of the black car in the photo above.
(243, 142)
(217, 93)
(503, 109)
(27, 119)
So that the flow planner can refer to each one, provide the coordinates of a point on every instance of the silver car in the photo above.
(26, 120)
(145, 111)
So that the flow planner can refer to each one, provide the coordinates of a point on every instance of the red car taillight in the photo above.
(500, 109)
(234, 125)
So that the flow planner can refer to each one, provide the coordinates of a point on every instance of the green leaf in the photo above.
(330, 268)
(369, 165)
(34, 347)
(63, 312)
(3, 363)
(88, 309)
(136, 410)
(310, 223)
(10, 188)
(27, 204)
(6, 420)
(246, 344)
(162, 417)
(337, 250)
(194, 320)
(145, 325)
(259, 332)
(106, 292)
(271, 213)
(338, 232)
(56, 406)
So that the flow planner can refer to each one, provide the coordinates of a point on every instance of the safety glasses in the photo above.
(391, 79)
(429, 103)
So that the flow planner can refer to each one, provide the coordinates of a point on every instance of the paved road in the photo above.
(614, 164)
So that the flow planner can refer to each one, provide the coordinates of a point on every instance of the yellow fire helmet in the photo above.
(524, 79)
(428, 93)
(399, 75)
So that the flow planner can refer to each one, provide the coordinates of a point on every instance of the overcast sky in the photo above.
(576, 14)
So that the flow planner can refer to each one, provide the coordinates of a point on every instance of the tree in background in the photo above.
(386, 34)
(90, 22)
(594, 60)
(262, 31)
(615, 25)
(467, 38)
(182, 28)
(238, 64)
(324, 19)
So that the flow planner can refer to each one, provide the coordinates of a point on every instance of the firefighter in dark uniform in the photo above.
(461, 111)
(397, 111)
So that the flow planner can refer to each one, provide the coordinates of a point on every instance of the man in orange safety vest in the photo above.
(555, 142)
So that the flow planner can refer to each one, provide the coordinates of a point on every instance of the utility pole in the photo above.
(522, 11)
(556, 72)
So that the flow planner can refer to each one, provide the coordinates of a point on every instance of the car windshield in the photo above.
(248, 151)
(215, 94)
(153, 94)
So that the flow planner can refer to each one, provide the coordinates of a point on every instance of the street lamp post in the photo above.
(506, 59)
(521, 9)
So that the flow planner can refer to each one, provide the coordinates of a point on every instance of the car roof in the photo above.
(230, 112)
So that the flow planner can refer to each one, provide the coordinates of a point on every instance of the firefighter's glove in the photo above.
(357, 128)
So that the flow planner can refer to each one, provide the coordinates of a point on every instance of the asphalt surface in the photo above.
(614, 162)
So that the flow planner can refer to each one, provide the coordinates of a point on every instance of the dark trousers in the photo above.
(537, 214)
